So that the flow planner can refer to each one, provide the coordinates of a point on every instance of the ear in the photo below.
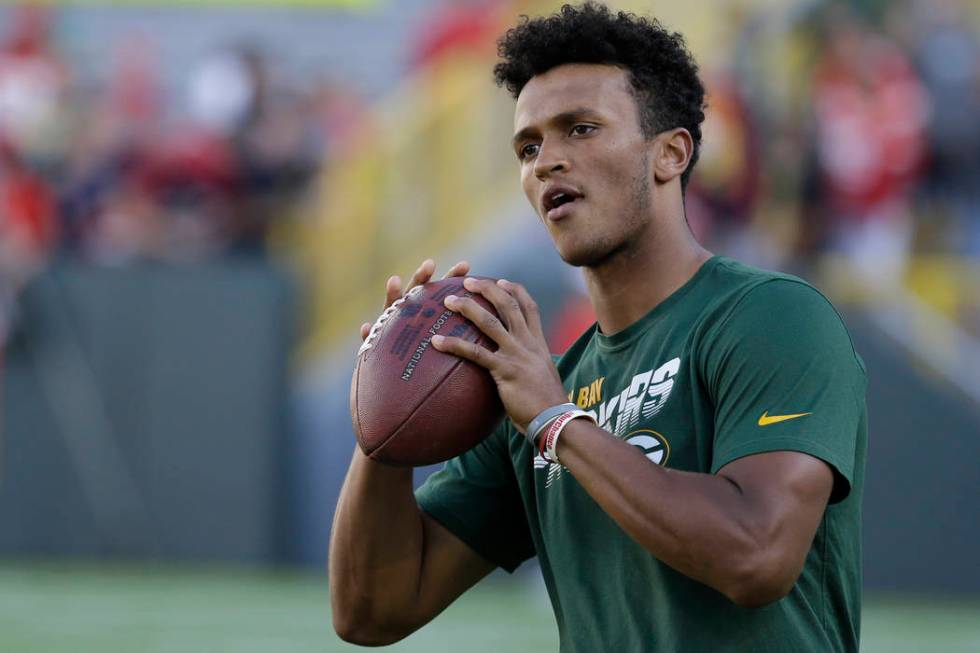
(671, 154)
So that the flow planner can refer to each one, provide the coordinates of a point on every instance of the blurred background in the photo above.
(199, 205)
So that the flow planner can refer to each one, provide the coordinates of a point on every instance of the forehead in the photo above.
(598, 88)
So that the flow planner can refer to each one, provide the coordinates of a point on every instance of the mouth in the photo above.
(559, 201)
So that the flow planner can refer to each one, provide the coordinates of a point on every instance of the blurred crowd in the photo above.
(117, 174)
(873, 151)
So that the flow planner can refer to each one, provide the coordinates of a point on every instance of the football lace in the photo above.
(376, 327)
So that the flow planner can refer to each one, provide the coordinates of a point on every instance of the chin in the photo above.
(588, 256)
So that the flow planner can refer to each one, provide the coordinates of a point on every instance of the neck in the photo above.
(632, 282)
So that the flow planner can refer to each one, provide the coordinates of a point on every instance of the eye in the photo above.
(528, 150)
(582, 129)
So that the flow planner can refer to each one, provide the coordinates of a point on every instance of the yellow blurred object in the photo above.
(433, 161)
(948, 284)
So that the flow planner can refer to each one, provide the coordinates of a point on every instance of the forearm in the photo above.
(702, 525)
(376, 550)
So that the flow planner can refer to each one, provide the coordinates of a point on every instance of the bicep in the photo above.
(785, 495)
(449, 568)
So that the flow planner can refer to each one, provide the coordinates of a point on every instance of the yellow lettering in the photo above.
(583, 397)
(571, 393)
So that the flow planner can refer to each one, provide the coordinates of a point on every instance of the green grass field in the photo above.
(72, 608)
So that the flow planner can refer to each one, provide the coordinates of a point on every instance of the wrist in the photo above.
(572, 437)
(549, 440)
(536, 427)
(548, 426)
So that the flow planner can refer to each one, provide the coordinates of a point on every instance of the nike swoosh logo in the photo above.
(767, 419)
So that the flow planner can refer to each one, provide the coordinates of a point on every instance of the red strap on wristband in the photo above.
(549, 440)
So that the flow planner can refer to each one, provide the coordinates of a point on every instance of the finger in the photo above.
(393, 290)
(365, 330)
(484, 320)
(471, 351)
(506, 304)
(529, 307)
(461, 269)
(423, 274)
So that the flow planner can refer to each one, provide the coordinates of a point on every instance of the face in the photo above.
(585, 163)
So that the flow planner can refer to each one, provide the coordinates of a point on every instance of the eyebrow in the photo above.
(561, 119)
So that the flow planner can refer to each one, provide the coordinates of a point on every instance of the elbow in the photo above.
(358, 618)
(363, 632)
(761, 582)
(350, 631)
(353, 634)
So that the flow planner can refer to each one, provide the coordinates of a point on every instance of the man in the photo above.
(714, 505)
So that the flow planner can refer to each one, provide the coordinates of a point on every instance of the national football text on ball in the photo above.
(423, 345)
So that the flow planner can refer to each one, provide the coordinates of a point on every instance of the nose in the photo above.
(550, 159)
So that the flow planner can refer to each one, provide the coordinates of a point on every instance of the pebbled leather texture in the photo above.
(411, 404)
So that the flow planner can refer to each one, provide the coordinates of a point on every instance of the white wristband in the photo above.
(549, 440)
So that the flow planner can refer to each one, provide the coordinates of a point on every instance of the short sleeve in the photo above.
(476, 497)
(784, 377)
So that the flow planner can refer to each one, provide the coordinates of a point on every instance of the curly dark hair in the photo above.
(662, 72)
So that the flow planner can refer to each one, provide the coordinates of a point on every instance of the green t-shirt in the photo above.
(698, 382)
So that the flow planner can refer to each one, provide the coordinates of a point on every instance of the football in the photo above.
(411, 404)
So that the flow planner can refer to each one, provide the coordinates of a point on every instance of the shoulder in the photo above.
(763, 306)
(728, 285)
(738, 289)
(740, 281)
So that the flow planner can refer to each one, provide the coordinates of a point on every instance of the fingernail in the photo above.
(438, 340)
(450, 299)
(503, 282)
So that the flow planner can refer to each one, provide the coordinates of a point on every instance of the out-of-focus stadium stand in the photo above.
(199, 204)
